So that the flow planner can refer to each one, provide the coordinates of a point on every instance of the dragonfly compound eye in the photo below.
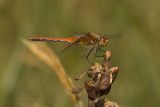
(103, 41)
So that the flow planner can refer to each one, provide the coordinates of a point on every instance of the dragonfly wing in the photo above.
(74, 43)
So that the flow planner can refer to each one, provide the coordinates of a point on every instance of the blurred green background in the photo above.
(27, 82)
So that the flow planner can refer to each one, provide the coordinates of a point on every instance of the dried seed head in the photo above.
(114, 72)
(114, 69)
(104, 82)
(94, 69)
(110, 104)
(91, 91)
(107, 54)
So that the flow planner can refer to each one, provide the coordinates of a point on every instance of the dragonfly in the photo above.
(90, 39)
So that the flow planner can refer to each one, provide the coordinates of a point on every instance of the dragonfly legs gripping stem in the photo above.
(98, 49)
(89, 54)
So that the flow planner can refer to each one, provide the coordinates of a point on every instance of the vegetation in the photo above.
(27, 81)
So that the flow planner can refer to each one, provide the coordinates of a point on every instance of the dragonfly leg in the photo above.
(97, 50)
(101, 49)
(89, 54)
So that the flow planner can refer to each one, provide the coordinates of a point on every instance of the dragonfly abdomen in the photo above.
(55, 39)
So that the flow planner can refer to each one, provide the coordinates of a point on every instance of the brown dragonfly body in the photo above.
(91, 39)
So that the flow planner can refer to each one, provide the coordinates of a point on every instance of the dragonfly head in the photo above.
(103, 41)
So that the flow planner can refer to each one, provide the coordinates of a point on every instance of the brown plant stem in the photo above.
(46, 55)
